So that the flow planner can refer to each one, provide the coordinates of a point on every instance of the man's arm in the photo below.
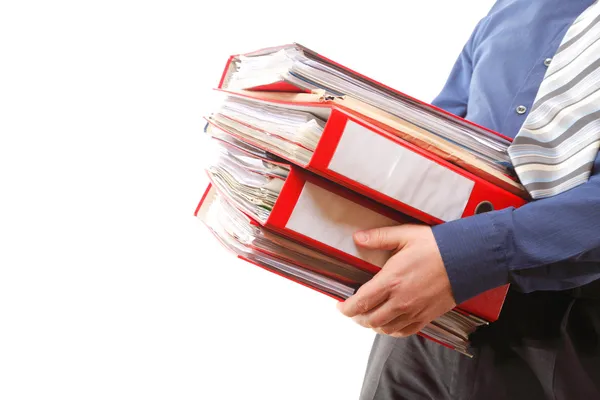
(455, 93)
(551, 244)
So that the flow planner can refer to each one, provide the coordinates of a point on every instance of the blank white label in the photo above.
(389, 168)
(332, 219)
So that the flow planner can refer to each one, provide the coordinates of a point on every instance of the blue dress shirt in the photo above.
(549, 244)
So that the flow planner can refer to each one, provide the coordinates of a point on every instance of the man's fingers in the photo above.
(396, 325)
(382, 315)
(408, 330)
(387, 238)
(368, 296)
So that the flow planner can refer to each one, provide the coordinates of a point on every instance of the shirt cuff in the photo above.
(474, 252)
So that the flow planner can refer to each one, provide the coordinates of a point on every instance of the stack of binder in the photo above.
(307, 152)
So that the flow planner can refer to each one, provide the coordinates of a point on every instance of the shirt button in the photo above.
(547, 62)
(521, 110)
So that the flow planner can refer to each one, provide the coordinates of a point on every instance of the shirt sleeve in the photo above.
(455, 93)
(549, 244)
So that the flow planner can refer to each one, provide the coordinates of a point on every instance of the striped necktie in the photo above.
(555, 148)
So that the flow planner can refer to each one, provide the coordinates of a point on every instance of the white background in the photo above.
(109, 288)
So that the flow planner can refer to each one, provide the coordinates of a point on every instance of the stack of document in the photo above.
(246, 189)
(272, 251)
(253, 184)
(307, 152)
(303, 68)
(292, 133)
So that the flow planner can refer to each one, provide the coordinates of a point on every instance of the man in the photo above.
(546, 344)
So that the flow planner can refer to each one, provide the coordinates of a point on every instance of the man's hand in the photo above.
(412, 288)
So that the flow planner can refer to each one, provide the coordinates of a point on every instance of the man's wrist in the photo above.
(474, 253)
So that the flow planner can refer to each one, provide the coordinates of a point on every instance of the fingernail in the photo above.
(362, 237)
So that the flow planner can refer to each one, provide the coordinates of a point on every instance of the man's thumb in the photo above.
(388, 238)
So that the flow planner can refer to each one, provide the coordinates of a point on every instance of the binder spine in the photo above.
(378, 164)
(227, 71)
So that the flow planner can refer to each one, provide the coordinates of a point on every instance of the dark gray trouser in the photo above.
(544, 346)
